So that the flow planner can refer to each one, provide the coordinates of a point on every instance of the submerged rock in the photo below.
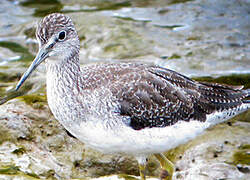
(33, 144)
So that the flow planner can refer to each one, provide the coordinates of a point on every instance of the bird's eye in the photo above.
(62, 35)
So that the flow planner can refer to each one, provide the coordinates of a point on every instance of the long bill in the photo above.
(40, 57)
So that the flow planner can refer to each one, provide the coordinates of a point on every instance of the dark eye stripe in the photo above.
(51, 45)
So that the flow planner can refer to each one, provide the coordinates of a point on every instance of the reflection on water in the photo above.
(43, 7)
(197, 38)
(210, 38)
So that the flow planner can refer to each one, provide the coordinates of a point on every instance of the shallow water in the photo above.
(197, 38)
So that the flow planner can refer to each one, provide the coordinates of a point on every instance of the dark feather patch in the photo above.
(158, 97)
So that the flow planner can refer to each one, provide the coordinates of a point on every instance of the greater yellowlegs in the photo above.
(129, 108)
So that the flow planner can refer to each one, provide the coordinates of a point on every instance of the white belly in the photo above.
(121, 138)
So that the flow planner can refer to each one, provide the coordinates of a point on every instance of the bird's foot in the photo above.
(167, 167)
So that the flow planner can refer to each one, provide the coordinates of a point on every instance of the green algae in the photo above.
(16, 173)
(194, 38)
(26, 56)
(5, 79)
(175, 154)
(2, 90)
(175, 56)
(163, 11)
(4, 67)
(9, 77)
(189, 54)
(178, 1)
(82, 37)
(168, 26)
(243, 117)
(242, 155)
(11, 94)
(114, 47)
(234, 79)
(9, 170)
(109, 5)
(19, 151)
(33, 175)
(14, 47)
(50, 174)
(43, 7)
(152, 166)
(93, 6)
(5, 135)
(10, 135)
(37, 101)
(245, 147)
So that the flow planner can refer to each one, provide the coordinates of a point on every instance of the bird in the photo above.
(137, 109)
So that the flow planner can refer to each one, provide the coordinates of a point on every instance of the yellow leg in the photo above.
(167, 167)
(142, 168)
(142, 161)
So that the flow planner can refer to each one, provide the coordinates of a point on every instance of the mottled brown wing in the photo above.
(158, 97)
(151, 100)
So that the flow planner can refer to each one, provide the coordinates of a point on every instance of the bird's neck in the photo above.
(66, 70)
(63, 89)
(63, 76)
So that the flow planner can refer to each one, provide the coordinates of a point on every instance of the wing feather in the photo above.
(157, 97)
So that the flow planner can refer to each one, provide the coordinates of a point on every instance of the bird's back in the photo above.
(152, 96)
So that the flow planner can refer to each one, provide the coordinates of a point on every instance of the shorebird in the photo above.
(127, 108)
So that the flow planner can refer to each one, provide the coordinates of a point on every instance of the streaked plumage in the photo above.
(127, 108)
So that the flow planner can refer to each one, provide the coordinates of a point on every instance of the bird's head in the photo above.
(58, 40)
